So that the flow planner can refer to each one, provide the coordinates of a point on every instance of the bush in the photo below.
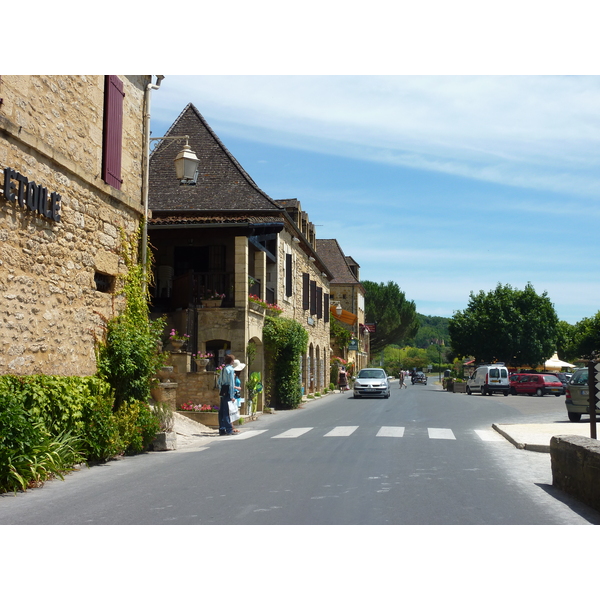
(29, 455)
(137, 426)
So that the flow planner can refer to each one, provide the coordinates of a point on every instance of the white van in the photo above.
(489, 379)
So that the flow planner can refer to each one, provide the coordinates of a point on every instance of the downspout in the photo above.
(145, 177)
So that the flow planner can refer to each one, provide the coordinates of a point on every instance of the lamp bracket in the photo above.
(169, 137)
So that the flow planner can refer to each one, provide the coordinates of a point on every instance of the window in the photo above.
(104, 283)
(112, 143)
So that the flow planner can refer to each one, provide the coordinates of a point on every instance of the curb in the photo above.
(520, 445)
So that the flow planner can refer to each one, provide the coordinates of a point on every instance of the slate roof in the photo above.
(223, 185)
(333, 257)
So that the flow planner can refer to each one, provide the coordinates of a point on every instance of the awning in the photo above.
(345, 317)
(555, 364)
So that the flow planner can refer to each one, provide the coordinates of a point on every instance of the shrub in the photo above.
(285, 341)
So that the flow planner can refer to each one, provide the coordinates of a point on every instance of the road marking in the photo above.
(391, 432)
(293, 433)
(440, 434)
(341, 432)
(488, 435)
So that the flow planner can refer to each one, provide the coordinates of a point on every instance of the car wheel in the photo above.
(355, 396)
(539, 392)
(574, 417)
(483, 390)
(513, 391)
(506, 393)
(468, 391)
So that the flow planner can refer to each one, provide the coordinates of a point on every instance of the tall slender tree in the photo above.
(395, 316)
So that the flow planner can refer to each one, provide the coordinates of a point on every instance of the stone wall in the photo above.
(51, 308)
(575, 464)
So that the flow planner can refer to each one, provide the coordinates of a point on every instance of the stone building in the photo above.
(348, 297)
(71, 154)
(222, 235)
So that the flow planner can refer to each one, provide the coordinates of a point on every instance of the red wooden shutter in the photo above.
(113, 131)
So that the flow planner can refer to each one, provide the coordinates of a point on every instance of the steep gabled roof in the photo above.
(223, 185)
(332, 255)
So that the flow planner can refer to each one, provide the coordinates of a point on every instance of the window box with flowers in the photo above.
(211, 299)
(256, 304)
(273, 310)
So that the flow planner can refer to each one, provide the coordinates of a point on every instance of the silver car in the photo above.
(577, 396)
(371, 383)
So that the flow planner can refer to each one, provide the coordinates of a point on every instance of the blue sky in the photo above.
(443, 184)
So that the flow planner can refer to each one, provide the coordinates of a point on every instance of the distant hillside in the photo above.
(430, 328)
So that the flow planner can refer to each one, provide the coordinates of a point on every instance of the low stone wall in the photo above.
(576, 467)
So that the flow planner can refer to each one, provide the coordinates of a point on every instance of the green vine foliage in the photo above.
(127, 358)
(285, 341)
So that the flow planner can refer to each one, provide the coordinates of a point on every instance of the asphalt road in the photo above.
(423, 456)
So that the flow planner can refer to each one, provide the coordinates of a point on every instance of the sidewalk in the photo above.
(536, 436)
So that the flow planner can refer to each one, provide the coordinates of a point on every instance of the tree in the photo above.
(395, 316)
(586, 337)
(517, 327)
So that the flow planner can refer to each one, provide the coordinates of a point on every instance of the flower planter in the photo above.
(177, 345)
(210, 419)
(460, 386)
(257, 308)
(201, 363)
(211, 303)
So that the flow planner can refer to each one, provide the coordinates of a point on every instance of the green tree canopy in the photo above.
(395, 316)
(585, 338)
(518, 327)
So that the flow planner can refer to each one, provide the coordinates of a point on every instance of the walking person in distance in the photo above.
(226, 383)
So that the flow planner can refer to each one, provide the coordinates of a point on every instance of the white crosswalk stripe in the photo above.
(391, 432)
(436, 433)
(489, 435)
(341, 431)
(294, 432)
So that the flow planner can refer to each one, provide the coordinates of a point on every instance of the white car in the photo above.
(371, 383)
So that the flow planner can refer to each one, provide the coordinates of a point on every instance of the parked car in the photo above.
(536, 383)
(371, 383)
(419, 377)
(489, 379)
(577, 397)
(561, 376)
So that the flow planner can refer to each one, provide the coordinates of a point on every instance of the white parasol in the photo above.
(555, 364)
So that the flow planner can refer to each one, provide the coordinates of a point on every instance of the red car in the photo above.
(538, 384)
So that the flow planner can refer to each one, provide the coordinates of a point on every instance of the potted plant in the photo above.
(202, 359)
(177, 339)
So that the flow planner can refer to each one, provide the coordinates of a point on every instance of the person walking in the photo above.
(226, 383)
(401, 378)
(343, 379)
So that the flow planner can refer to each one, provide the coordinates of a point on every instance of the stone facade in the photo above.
(315, 363)
(58, 269)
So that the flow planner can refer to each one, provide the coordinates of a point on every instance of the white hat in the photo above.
(237, 365)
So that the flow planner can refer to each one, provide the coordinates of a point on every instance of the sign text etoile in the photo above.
(31, 196)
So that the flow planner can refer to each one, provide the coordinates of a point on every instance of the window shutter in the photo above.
(112, 146)
(319, 303)
(313, 297)
(305, 291)
(326, 308)
(288, 275)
